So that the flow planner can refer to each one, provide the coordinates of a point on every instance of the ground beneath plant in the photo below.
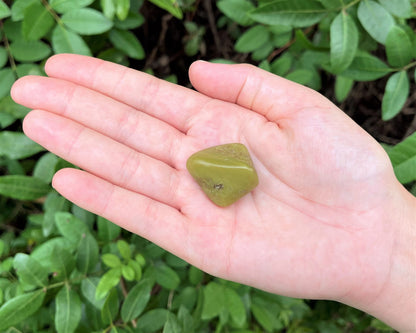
(162, 37)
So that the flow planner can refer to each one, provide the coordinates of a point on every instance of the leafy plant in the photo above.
(63, 269)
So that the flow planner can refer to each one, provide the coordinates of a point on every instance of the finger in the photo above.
(101, 113)
(155, 221)
(166, 101)
(269, 95)
(103, 156)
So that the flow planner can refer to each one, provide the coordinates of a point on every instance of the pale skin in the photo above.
(328, 220)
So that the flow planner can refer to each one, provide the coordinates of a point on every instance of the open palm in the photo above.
(315, 227)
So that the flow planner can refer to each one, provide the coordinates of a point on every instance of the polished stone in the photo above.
(225, 173)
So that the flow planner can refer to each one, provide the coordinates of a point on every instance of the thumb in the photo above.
(253, 88)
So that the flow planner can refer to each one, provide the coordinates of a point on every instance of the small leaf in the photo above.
(122, 9)
(30, 271)
(27, 51)
(127, 42)
(343, 87)
(171, 6)
(128, 272)
(398, 47)
(375, 19)
(395, 95)
(19, 308)
(87, 255)
(70, 227)
(68, 310)
(403, 158)
(107, 231)
(4, 10)
(136, 300)
(237, 10)
(124, 249)
(301, 76)
(263, 316)
(37, 21)
(344, 42)
(45, 167)
(108, 281)
(252, 39)
(111, 260)
(296, 13)
(86, 21)
(366, 67)
(7, 79)
(23, 187)
(65, 41)
(166, 276)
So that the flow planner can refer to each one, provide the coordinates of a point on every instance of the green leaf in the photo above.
(23, 187)
(37, 21)
(16, 145)
(399, 8)
(152, 320)
(88, 289)
(398, 47)
(166, 276)
(111, 260)
(30, 271)
(7, 105)
(301, 76)
(132, 21)
(110, 307)
(3, 57)
(237, 10)
(395, 95)
(54, 203)
(62, 262)
(7, 79)
(214, 300)
(403, 158)
(86, 21)
(19, 308)
(70, 227)
(127, 42)
(4, 10)
(107, 231)
(375, 19)
(67, 310)
(122, 9)
(263, 316)
(172, 325)
(332, 4)
(45, 167)
(42, 253)
(297, 13)
(108, 281)
(18, 8)
(172, 6)
(366, 67)
(282, 64)
(128, 272)
(27, 51)
(252, 39)
(87, 255)
(136, 300)
(124, 249)
(63, 6)
(344, 42)
(235, 307)
(65, 41)
(343, 87)
(108, 8)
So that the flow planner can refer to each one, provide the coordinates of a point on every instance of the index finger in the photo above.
(163, 100)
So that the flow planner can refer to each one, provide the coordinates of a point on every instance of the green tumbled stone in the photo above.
(225, 173)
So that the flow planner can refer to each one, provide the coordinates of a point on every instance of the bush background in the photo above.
(63, 269)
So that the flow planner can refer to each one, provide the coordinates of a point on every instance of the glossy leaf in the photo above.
(37, 21)
(343, 87)
(7, 79)
(111, 260)
(252, 39)
(172, 6)
(237, 10)
(136, 300)
(63, 6)
(127, 42)
(27, 51)
(297, 13)
(344, 42)
(67, 310)
(87, 255)
(23, 187)
(19, 308)
(398, 47)
(16, 145)
(124, 249)
(399, 8)
(375, 19)
(395, 95)
(366, 67)
(108, 281)
(166, 276)
(4, 10)
(65, 41)
(86, 21)
(70, 227)
(403, 158)
(30, 271)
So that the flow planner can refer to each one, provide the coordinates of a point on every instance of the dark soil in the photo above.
(162, 37)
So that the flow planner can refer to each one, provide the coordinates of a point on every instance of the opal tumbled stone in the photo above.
(225, 173)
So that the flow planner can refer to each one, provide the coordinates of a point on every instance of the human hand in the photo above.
(318, 225)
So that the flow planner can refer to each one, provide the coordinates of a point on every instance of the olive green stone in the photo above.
(225, 173)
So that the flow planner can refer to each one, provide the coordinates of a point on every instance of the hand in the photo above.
(320, 224)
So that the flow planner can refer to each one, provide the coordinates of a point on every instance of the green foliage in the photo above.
(67, 270)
